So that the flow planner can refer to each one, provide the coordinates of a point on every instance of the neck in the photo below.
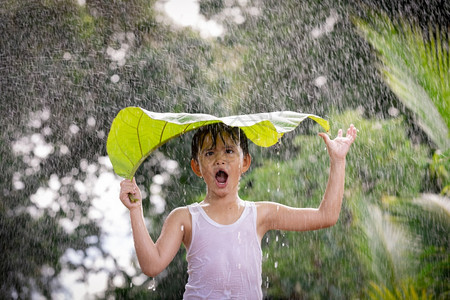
(216, 200)
(223, 210)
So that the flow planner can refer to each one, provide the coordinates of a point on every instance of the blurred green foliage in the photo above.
(54, 57)
(440, 168)
(404, 292)
(384, 170)
(415, 65)
(416, 68)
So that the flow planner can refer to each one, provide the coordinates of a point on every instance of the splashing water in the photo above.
(66, 69)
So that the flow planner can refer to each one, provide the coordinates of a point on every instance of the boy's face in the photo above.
(222, 165)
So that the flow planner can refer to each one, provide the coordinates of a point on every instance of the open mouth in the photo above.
(221, 177)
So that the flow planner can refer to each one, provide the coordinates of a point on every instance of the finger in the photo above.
(340, 133)
(128, 186)
(126, 190)
(325, 137)
(124, 197)
(134, 196)
(124, 182)
(128, 198)
(353, 131)
(349, 133)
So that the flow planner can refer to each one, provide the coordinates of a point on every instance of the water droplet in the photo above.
(320, 81)
(91, 121)
(74, 129)
(152, 285)
(115, 78)
(393, 111)
(67, 56)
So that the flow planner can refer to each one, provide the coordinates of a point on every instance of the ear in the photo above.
(196, 167)
(247, 161)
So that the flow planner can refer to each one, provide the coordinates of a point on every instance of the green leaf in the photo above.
(415, 67)
(135, 132)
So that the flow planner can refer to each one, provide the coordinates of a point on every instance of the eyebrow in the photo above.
(227, 146)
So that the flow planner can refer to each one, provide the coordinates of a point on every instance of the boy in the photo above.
(222, 234)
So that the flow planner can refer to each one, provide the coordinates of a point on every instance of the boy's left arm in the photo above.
(338, 148)
(281, 217)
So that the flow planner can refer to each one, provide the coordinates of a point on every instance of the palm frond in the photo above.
(416, 69)
(404, 292)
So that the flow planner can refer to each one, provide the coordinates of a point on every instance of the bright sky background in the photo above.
(187, 13)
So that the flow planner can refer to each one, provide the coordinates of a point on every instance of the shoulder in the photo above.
(266, 207)
(265, 216)
(269, 212)
(180, 214)
(178, 217)
(181, 218)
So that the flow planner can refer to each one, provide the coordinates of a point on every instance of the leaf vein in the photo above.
(162, 132)
(185, 128)
(137, 132)
(121, 150)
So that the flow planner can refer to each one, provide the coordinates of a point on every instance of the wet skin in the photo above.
(221, 167)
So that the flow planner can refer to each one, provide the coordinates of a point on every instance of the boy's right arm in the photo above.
(153, 257)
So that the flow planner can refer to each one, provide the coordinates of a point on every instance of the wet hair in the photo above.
(217, 130)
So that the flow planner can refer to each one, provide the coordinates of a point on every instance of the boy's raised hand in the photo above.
(129, 188)
(338, 147)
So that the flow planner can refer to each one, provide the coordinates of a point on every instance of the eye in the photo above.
(209, 153)
(229, 151)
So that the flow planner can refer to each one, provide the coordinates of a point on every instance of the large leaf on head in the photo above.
(135, 132)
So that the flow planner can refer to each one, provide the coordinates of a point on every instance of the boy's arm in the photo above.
(153, 257)
(277, 216)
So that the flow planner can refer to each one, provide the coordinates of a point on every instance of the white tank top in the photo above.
(224, 261)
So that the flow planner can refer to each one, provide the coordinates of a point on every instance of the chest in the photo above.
(225, 250)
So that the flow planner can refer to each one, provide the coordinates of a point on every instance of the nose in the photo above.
(220, 162)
